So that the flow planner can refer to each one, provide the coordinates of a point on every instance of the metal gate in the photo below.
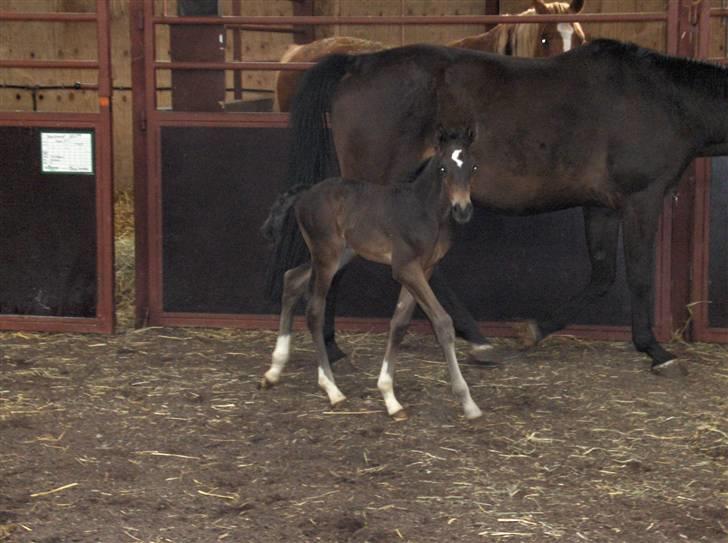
(204, 179)
(709, 262)
(56, 241)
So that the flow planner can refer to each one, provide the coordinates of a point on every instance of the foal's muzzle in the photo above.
(462, 213)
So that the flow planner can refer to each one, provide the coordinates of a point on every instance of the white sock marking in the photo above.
(386, 387)
(456, 157)
(566, 31)
(280, 357)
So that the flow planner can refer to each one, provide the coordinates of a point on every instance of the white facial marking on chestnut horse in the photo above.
(566, 31)
(456, 157)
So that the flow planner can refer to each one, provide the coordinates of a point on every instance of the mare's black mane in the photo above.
(708, 77)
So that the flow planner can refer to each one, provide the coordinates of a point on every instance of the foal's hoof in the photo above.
(400, 416)
(265, 384)
(529, 333)
(671, 368)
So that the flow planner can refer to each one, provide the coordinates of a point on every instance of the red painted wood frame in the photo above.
(701, 327)
(100, 123)
(148, 122)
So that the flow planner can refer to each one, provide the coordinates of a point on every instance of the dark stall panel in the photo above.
(217, 187)
(47, 232)
(718, 257)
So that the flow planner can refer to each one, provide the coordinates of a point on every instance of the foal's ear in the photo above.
(441, 135)
(471, 132)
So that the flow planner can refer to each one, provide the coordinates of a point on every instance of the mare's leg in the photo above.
(294, 286)
(397, 330)
(332, 349)
(463, 321)
(641, 213)
(413, 278)
(602, 238)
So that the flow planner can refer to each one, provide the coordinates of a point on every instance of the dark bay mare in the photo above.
(406, 226)
(607, 126)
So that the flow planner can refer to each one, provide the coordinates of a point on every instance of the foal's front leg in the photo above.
(397, 330)
(413, 278)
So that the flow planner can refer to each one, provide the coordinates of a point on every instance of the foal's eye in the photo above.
(545, 41)
(443, 170)
(475, 168)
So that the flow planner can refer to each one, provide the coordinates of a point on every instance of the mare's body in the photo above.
(607, 126)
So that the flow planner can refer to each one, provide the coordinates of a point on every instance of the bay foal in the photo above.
(405, 225)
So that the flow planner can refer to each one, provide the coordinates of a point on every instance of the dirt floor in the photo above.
(162, 435)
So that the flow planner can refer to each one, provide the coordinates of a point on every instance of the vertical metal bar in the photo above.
(237, 55)
(139, 76)
(673, 26)
(303, 33)
(104, 173)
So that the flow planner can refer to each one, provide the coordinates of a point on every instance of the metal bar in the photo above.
(719, 12)
(51, 64)
(48, 17)
(246, 65)
(413, 19)
(266, 28)
(103, 48)
(237, 53)
(32, 323)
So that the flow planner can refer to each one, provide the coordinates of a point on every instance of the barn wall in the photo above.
(77, 41)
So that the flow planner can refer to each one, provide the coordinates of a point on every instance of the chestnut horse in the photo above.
(518, 39)
(607, 126)
(404, 225)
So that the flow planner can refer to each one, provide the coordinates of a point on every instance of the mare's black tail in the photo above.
(309, 162)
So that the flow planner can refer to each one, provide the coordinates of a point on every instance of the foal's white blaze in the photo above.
(386, 387)
(456, 157)
(566, 31)
(280, 357)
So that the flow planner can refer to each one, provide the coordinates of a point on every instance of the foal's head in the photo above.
(456, 167)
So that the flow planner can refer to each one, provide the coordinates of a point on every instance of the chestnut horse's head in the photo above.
(531, 39)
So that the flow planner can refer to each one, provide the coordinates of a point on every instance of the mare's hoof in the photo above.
(337, 401)
(400, 415)
(334, 353)
(671, 368)
(529, 333)
(265, 384)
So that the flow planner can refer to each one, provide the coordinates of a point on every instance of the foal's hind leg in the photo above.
(602, 237)
(397, 330)
(294, 285)
(325, 264)
(413, 278)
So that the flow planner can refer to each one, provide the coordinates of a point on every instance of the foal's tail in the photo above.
(309, 162)
(289, 249)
